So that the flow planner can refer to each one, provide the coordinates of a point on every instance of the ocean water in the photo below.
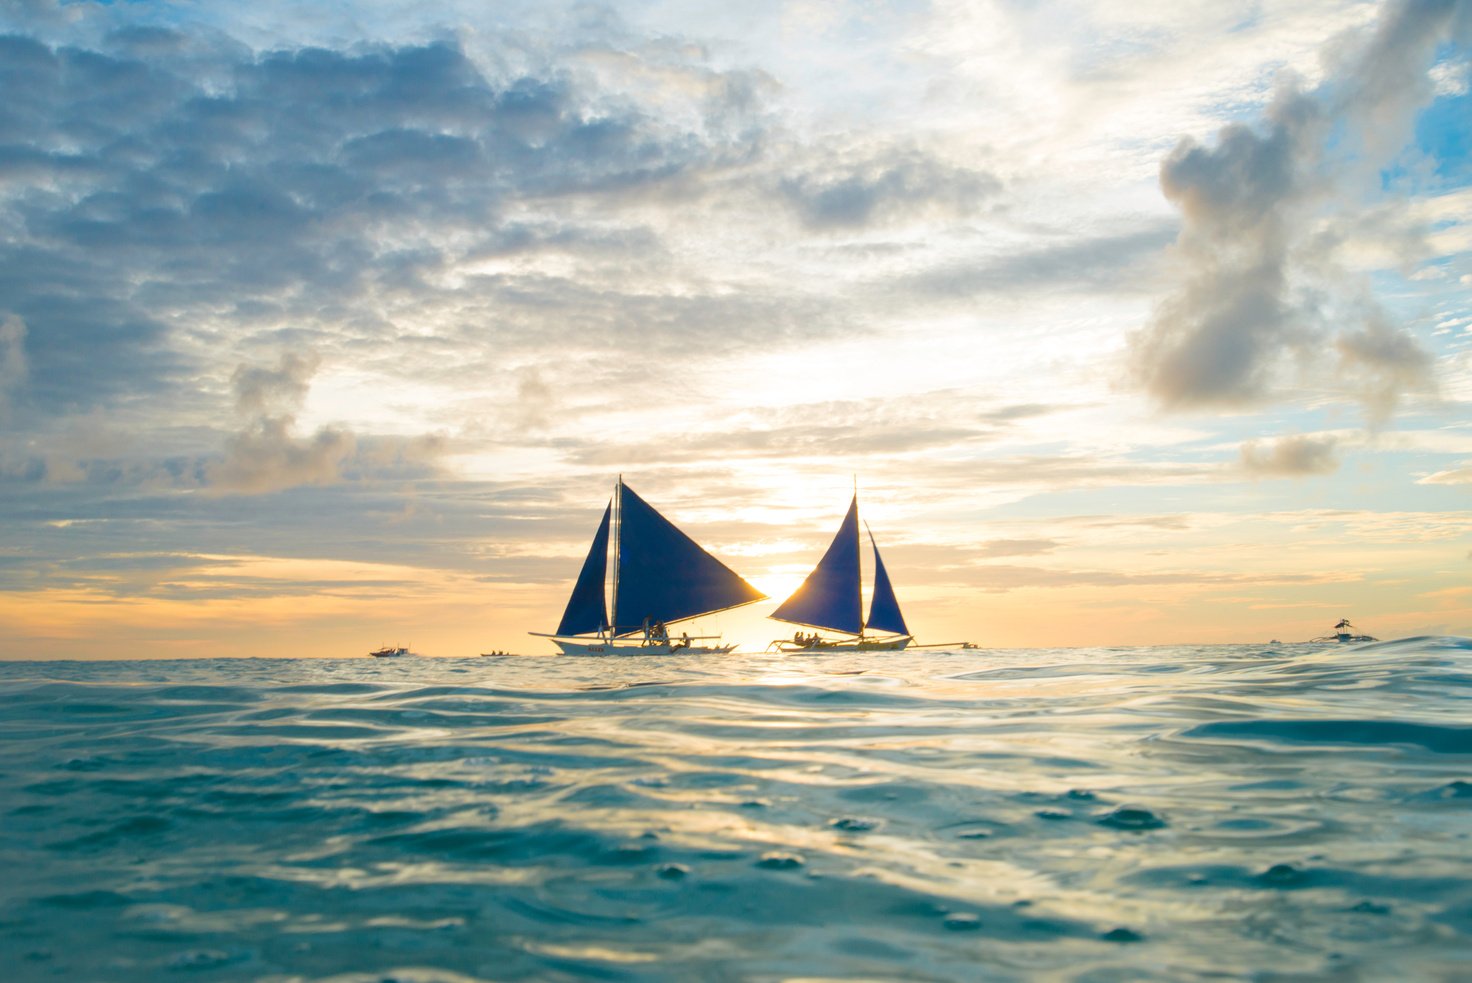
(1181, 813)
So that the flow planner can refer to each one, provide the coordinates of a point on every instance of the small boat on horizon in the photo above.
(660, 577)
(831, 599)
(390, 651)
(1344, 633)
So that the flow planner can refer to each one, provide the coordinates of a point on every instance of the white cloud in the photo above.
(1291, 457)
(1252, 306)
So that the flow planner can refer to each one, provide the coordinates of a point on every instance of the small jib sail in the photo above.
(586, 611)
(884, 607)
(660, 575)
(831, 596)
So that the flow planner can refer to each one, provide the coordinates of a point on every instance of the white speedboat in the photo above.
(660, 577)
(390, 651)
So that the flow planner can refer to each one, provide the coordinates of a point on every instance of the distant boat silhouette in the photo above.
(1343, 632)
(390, 651)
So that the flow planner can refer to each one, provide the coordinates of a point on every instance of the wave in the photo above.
(1083, 814)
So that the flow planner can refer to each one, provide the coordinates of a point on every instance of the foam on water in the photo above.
(1112, 814)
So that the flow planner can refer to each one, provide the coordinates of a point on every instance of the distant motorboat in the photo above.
(1344, 632)
(390, 652)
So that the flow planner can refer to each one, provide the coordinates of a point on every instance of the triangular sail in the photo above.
(884, 608)
(829, 598)
(585, 611)
(664, 575)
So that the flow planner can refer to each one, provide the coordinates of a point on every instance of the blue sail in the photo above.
(884, 608)
(829, 598)
(664, 575)
(585, 611)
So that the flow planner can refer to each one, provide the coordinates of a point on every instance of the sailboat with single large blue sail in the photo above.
(831, 599)
(660, 577)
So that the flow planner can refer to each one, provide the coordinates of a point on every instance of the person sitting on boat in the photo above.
(660, 632)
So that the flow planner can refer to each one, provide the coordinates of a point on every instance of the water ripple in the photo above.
(1149, 813)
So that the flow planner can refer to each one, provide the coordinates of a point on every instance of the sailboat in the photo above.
(830, 598)
(660, 577)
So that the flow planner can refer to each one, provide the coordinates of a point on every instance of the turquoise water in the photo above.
(1177, 813)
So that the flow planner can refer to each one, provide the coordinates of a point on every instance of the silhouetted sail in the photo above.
(585, 611)
(664, 575)
(884, 608)
(829, 598)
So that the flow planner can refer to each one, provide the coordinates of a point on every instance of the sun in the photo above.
(779, 584)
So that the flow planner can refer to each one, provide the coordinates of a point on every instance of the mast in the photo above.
(618, 536)
(859, 555)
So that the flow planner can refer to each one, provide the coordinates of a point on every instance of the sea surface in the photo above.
(1182, 813)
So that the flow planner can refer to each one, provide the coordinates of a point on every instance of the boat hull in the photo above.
(619, 647)
(789, 647)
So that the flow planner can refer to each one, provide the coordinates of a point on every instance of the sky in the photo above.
(329, 325)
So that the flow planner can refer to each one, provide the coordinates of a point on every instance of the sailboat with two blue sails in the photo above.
(831, 598)
(660, 577)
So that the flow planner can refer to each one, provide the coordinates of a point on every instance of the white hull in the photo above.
(595, 646)
(825, 647)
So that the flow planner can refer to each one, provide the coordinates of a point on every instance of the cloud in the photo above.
(1461, 475)
(263, 391)
(1003, 578)
(534, 402)
(12, 359)
(910, 425)
(1016, 547)
(1073, 263)
(1384, 362)
(894, 185)
(1258, 281)
(1291, 457)
(161, 192)
(266, 455)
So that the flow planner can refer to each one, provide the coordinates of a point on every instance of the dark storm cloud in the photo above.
(1243, 315)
